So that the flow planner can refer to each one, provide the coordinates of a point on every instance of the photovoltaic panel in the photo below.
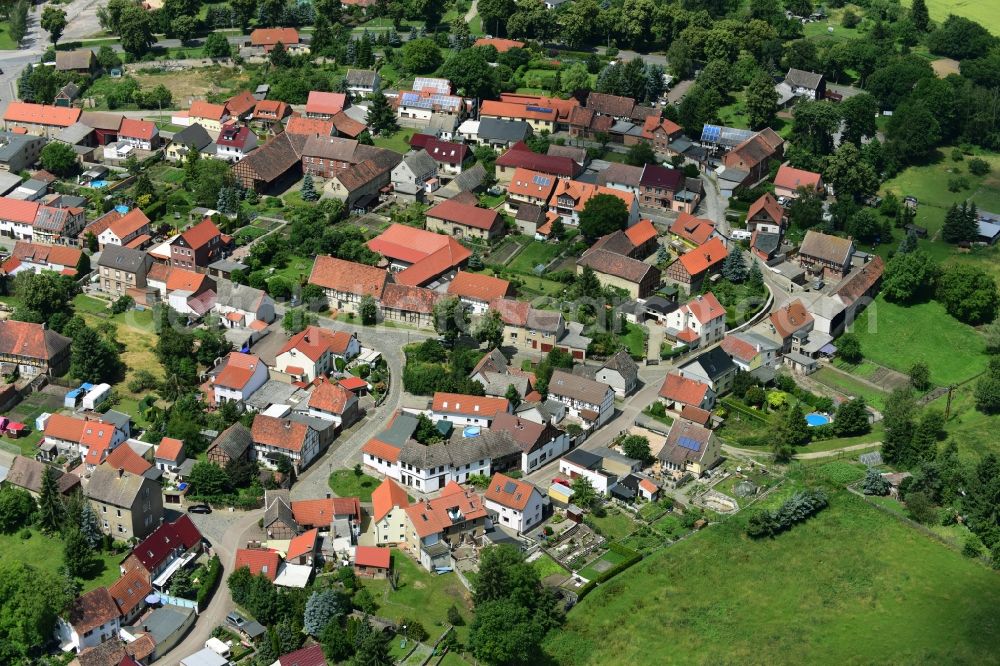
(541, 180)
(689, 443)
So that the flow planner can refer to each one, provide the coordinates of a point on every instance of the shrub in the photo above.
(978, 167)
(875, 483)
(796, 509)
(207, 585)
(958, 183)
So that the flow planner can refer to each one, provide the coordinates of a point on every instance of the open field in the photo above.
(422, 596)
(897, 337)
(975, 433)
(854, 583)
(979, 11)
(135, 330)
(195, 82)
(532, 255)
(847, 384)
(45, 554)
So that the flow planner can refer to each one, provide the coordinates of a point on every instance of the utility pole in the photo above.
(947, 409)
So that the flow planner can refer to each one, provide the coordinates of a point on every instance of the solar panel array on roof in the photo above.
(710, 133)
(422, 83)
(724, 136)
(689, 443)
(509, 487)
(541, 180)
(540, 109)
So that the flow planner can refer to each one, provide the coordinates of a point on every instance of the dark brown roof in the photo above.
(92, 609)
(274, 158)
(612, 263)
(27, 473)
(825, 247)
(610, 105)
(686, 442)
(759, 147)
(858, 284)
(409, 299)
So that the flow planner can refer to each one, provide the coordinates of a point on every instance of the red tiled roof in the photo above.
(200, 109)
(479, 287)
(271, 36)
(648, 486)
(563, 106)
(372, 556)
(695, 229)
(130, 590)
(684, 390)
(303, 544)
(407, 244)
(464, 214)
(169, 449)
(641, 232)
(92, 609)
(792, 179)
(738, 348)
(131, 222)
(241, 103)
(508, 492)
(319, 512)
(57, 255)
(380, 449)
(469, 405)
(270, 108)
(496, 109)
(705, 257)
(501, 45)
(263, 562)
(653, 123)
(790, 318)
(768, 205)
(40, 114)
(179, 279)
(307, 126)
(705, 307)
(137, 129)
(123, 457)
(330, 397)
(67, 428)
(325, 103)
(435, 516)
(387, 496)
(527, 183)
(154, 549)
(15, 210)
(353, 383)
(520, 155)
(315, 341)
(238, 370)
(696, 414)
(348, 276)
(408, 299)
(581, 193)
(347, 126)
(280, 433)
(201, 233)
(307, 656)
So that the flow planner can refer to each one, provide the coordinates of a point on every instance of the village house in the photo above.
(513, 503)
(495, 375)
(346, 282)
(497, 134)
(411, 305)
(418, 257)
(315, 352)
(332, 402)
(539, 443)
(193, 137)
(258, 561)
(570, 197)
(83, 438)
(465, 221)
(324, 514)
(619, 372)
(520, 156)
(361, 186)
(309, 126)
(635, 277)
(699, 322)
(241, 105)
(274, 437)
(130, 230)
(130, 592)
(451, 158)
(467, 410)
(753, 353)
(669, 189)
(210, 116)
(589, 400)
(28, 474)
(140, 134)
(39, 119)
(660, 133)
(692, 231)
(530, 329)
(36, 258)
(235, 143)
(105, 125)
(32, 349)
(752, 157)
(790, 321)
(241, 374)
(169, 548)
(434, 526)
(825, 256)
(362, 82)
(371, 562)
(712, 367)
(415, 177)
(127, 505)
(790, 182)
(198, 246)
(388, 516)
(275, 163)
(93, 618)
(241, 305)
(529, 187)
(678, 392)
(601, 470)
(800, 83)
(690, 269)
(19, 151)
(77, 61)
(538, 117)
(766, 215)
(265, 39)
(268, 113)
(233, 443)
(477, 291)
(689, 449)
(324, 105)
(170, 456)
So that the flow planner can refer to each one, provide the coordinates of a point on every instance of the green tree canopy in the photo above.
(601, 215)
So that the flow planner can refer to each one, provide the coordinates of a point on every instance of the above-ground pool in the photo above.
(97, 184)
(817, 419)
(471, 431)
(122, 210)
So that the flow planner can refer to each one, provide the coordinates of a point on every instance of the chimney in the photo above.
(328, 496)
(288, 425)
(121, 472)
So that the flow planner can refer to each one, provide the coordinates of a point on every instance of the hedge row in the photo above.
(214, 572)
(745, 411)
(631, 558)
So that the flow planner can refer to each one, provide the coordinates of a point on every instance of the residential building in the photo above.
(465, 221)
(370, 562)
(105, 125)
(39, 119)
(416, 108)
(126, 505)
(450, 158)
(234, 143)
(434, 526)
(169, 455)
(496, 376)
(193, 137)
(678, 392)
(362, 82)
(826, 256)
(790, 182)
(624, 177)
(140, 134)
(307, 656)
(529, 187)
(130, 592)
(293, 439)
(752, 157)
(619, 372)
(635, 277)
(270, 113)
(240, 305)
(501, 45)
(19, 151)
(33, 349)
(198, 246)
(661, 133)
(540, 443)
(28, 474)
(495, 133)
(692, 231)
(540, 118)
(415, 177)
(233, 443)
(513, 503)
(315, 352)
(240, 376)
(712, 367)
(240, 106)
(467, 410)
(332, 402)
(36, 258)
(309, 126)
(531, 329)
(790, 321)
(279, 521)
(322, 514)
(477, 291)
(259, 561)
(89, 440)
(589, 465)
(589, 400)
(766, 215)
(170, 547)
(93, 618)
(126, 230)
(346, 282)
(266, 39)
(669, 189)
(689, 270)
(324, 105)
(753, 353)
(611, 105)
(210, 116)
(361, 186)
(571, 196)
(689, 449)
(77, 61)
(699, 322)
(278, 160)
(519, 155)
(418, 257)
(410, 305)
(389, 502)
(800, 83)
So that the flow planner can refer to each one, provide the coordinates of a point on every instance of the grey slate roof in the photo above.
(193, 136)
(503, 130)
(234, 440)
(802, 79)
(623, 363)
(74, 134)
(361, 77)
(578, 388)
(239, 296)
(278, 508)
(108, 487)
(420, 162)
(715, 362)
(124, 259)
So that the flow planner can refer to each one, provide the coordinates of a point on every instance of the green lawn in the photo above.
(615, 525)
(846, 384)
(421, 595)
(898, 336)
(26, 412)
(345, 483)
(296, 268)
(594, 569)
(851, 585)
(635, 341)
(398, 141)
(45, 554)
(984, 13)
(546, 566)
(974, 432)
(6, 43)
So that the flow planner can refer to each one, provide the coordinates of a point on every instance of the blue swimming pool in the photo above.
(122, 209)
(816, 419)
(98, 184)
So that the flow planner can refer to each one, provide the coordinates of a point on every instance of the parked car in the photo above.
(236, 620)
(199, 508)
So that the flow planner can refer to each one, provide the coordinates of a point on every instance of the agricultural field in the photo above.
(897, 337)
(981, 12)
(728, 599)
